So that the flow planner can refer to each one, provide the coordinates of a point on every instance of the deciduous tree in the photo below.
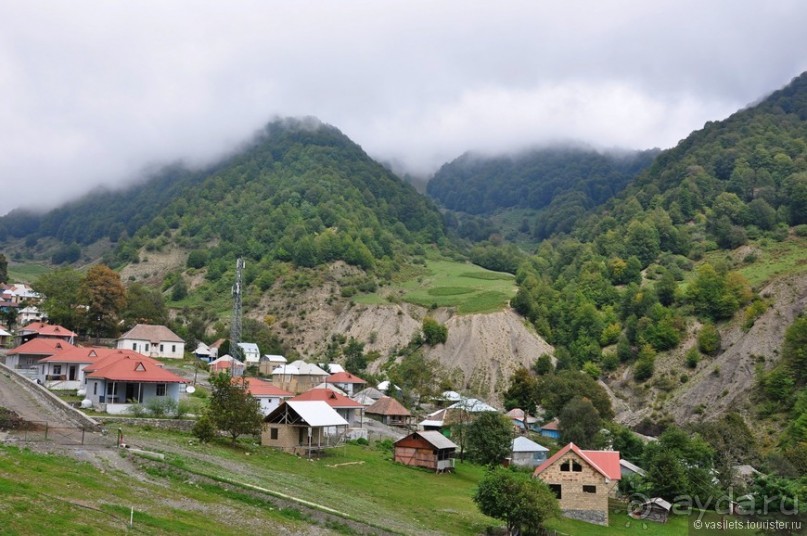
(232, 409)
(522, 502)
(104, 296)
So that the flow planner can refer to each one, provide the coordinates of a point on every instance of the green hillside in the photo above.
(557, 185)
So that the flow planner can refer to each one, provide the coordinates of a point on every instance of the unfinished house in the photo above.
(582, 480)
(305, 428)
(428, 449)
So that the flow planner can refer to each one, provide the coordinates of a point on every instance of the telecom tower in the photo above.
(235, 323)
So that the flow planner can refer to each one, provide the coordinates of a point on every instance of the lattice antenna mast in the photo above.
(235, 324)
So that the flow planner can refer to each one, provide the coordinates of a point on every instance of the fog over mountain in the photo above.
(94, 93)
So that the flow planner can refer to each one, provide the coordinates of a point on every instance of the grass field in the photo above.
(770, 259)
(444, 283)
(49, 494)
(26, 272)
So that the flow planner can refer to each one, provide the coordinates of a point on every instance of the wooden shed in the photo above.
(655, 509)
(428, 449)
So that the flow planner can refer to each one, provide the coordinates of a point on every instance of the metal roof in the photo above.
(316, 413)
(437, 440)
(525, 444)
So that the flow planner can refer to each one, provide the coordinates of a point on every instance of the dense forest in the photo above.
(560, 183)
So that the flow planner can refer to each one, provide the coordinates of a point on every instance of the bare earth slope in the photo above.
(724, 382)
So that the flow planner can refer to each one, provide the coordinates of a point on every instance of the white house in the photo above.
(118, 381)
(64, 370)
(267, 394)
(250, 353)
(528, 453)
(153, 341)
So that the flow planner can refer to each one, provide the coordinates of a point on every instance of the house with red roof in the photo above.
(267, 394)
(46, 331)
(123, 378)
(350, 410)
(65, 369)
(582, 480)
(28, 354)
(347, 382)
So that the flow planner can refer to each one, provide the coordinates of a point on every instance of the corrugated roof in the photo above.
(309, 369)
(316, 413)
(47, 330)
(525, 444)
(436, 439)
(259, 387)
(148, 332)
(332, 398)
(78, 355)
(344, 377)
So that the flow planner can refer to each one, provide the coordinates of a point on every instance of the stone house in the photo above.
(582, 480)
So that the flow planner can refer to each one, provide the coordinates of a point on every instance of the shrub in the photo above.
(693, 357)
(161, 406)
(136, 409)
(709, 339)
(203, 429)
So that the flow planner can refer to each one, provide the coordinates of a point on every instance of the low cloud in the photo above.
(95, 93)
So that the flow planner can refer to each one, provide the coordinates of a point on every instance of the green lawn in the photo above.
(444, 283)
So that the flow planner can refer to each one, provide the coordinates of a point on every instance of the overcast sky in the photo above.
(92, 92)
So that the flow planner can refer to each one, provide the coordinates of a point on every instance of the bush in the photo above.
(203, 429)
(161, 406)
(709, 339)
(693, 357)
(136, 409)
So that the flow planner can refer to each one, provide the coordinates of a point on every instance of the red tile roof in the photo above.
(128, 368)
(47, 330)
(605, 462)
(113, 355)
(344, 377)
(41, 346)
(332, 398)
(78, 354)
(259, 387)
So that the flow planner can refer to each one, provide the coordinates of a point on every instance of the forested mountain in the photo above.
(561, 183)
(301, 191)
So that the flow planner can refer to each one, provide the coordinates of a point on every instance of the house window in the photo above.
(173, 348)
(57, 370)
(160, 389)
(589, 489)
(576, 467)
(147, 347)
(134, 346)
(161, 349)
(95, 389)
(571, 465)
(556, 489)
(112, 389)
(273, 433)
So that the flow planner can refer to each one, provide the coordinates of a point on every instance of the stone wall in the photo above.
(178, 425)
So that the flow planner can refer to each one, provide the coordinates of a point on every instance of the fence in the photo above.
(40, 431)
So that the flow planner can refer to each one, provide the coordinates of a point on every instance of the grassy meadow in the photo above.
(26, 272)
(206, 488)
(446, 283)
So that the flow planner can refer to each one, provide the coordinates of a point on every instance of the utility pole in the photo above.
(235, 323)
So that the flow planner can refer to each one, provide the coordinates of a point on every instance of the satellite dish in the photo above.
(191, 389)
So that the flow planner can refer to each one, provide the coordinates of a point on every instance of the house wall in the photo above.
(574, 502)
(288, 436)
(528, 459)
(416, 457)
(58, 378)
(268, 404)
(97, 393)
(168, 350)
